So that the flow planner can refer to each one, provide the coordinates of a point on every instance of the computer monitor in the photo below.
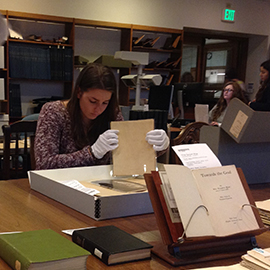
(192, 93)
(160, 97)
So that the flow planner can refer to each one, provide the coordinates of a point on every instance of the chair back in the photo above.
(18, 144)
(188, 135)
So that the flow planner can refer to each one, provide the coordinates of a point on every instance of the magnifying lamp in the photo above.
(140, 59)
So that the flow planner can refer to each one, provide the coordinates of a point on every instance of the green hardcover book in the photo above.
(112, 245)
(41, 249)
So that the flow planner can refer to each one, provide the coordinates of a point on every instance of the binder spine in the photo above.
(90, 246)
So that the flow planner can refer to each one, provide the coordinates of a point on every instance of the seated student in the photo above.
(230, 91)
(262, 99)
(76, 132)
(231, 76)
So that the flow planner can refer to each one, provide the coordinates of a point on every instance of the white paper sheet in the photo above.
(196, 156)
(77, 185)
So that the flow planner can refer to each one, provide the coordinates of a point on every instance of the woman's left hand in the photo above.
(158, 138)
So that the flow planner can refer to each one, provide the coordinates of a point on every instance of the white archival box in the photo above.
(107, 204)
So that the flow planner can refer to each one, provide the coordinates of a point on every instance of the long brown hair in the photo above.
(265, 65)
(93, 76)
(222, 103)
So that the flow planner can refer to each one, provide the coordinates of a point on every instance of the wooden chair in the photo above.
(188, 135)
(18, 149)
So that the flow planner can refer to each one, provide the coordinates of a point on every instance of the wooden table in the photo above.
(23, 209)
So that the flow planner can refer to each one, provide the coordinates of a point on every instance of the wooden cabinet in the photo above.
(44, 34)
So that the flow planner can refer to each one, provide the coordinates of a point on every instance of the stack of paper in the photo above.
(257, 259)
(264, 210)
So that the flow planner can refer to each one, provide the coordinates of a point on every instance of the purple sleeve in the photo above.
(54, 147)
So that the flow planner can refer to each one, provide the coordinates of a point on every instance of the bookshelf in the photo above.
(88, 38)
(164, 46)
(32, 59)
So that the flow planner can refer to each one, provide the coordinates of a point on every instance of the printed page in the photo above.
(187, 199)
(223, 194)
(196, 156)
(169, 198)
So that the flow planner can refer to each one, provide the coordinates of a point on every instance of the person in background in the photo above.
(262, 98)
(231, 90)
(231, 76)
(187, 77)
(76, 132)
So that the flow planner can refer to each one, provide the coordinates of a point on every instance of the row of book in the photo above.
(46, 249)
(40, 62)
(15, 107)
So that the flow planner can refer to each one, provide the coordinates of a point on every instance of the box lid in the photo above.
(244, 124)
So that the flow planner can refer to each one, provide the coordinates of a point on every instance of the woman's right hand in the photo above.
(106, 142)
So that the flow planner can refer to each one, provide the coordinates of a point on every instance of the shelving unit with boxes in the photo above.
(93, 40)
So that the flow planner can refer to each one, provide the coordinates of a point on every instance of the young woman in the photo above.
(230, 91)
(262, 99)
(76, 132)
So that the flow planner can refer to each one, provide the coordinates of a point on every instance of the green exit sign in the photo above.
(228, 15)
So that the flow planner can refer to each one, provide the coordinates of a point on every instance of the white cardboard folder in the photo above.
(105, 205)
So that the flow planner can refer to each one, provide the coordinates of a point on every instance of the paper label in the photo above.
(17, 265)
(238, 123)
(98, 253)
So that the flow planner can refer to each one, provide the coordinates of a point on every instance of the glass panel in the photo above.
(189, 63)
(216, 62)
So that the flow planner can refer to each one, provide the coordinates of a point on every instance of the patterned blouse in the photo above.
(54, 145)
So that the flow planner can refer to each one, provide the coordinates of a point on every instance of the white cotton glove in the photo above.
(106, 142)
(158, 138)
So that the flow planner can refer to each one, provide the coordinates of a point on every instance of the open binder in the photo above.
(196, 249)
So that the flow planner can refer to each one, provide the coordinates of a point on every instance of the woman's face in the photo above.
(93, 102)
(228, 92)
(264, 74)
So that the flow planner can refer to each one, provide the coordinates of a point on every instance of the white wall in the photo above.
(251, 17)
